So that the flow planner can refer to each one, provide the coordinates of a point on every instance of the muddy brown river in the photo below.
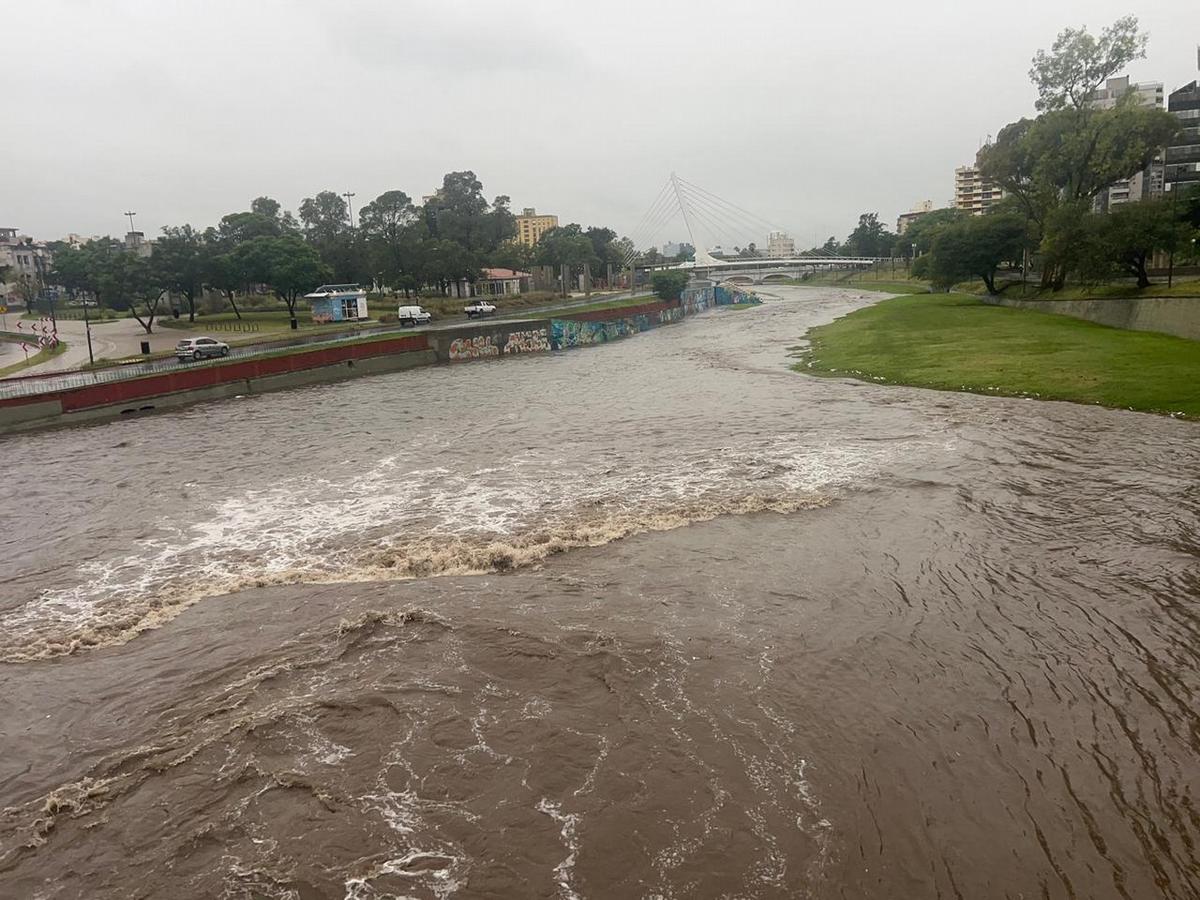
(657, 619)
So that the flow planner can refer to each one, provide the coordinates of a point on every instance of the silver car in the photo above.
(199, 348)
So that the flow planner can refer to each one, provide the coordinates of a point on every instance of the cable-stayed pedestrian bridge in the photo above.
(717, 229)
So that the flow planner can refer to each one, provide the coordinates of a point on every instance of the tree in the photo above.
(669, 285)
(325, 216)
(1055, 164)
(870, 238)
(623, 250)
(922, 232)
(178, 261)
(224, 272)
(392, 228)
(265, 206)
(289, 265)
(1079, 64)
(239, 227)
(126, 280)
(1130, 234)
(513, 255)
(975, 247)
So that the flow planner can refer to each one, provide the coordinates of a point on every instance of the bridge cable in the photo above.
(663, 197)
(742, 224)
(662, 201)
(733, 225)
(746, 215)
(712, 222)
(664, 208)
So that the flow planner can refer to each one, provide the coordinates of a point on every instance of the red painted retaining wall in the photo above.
(209, 376)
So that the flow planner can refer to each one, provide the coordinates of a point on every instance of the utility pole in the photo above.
(1174, 236)
(87, 325)
(131, 215)
(349, 195)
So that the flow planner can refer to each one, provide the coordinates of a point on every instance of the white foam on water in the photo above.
(328, 528)
(568, 823)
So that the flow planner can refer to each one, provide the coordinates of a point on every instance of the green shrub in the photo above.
(669, 285)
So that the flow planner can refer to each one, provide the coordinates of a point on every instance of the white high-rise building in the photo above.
(780, 245)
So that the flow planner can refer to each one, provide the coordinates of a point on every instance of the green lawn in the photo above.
(641, 300)
(954, 342)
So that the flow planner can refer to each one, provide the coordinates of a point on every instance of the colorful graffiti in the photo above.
(730, 295)
(474, 348)
(696, 300)
(566, 333)
(534, 341)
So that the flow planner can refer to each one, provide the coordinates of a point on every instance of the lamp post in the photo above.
(131, 215)
(87, 327)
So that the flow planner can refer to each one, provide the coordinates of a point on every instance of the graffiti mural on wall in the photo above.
(695, 300)
(474, 348)
(534, 341)
(728, 295)
(566, 333)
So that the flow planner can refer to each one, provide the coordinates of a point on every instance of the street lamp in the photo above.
(87, 327)
(131, 215)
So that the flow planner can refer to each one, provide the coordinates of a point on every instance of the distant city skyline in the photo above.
(187, 112)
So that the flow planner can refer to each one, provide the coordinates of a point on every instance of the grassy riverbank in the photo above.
(954, 342)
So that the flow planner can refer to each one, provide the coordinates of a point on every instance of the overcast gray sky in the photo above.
(806, 113)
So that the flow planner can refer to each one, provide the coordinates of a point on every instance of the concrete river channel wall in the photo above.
(476, 341)
(1179, 316)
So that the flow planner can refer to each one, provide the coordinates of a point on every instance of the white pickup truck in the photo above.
(479, 308)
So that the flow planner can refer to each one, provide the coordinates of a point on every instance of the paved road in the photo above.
(122, 337)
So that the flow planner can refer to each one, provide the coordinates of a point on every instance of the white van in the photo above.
(413, 315)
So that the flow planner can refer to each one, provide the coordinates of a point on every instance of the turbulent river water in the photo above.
(656, 619)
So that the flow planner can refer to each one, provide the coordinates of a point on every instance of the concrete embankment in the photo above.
(1179, 316)
(259, 375)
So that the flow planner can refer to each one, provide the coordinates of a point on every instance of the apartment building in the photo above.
(531, 226)
(972, 192)
(1181, 168)
(24, 259)
(780, 245)
(1147, 183)
(904, 220)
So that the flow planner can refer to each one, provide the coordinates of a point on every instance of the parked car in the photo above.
(479, 308)
(199, 348)
(413, 315)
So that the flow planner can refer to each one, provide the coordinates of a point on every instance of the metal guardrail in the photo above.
(52, 382)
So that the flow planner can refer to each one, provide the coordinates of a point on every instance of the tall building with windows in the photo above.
(972, 192)
(780, 245)
(1149, 182)
(906, 219)
(1181, 167)
(531, 226)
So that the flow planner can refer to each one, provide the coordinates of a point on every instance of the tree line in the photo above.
(396, 245)
(1053, 167)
